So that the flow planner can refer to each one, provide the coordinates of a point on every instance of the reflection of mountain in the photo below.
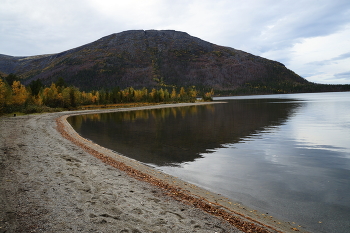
(178, 135)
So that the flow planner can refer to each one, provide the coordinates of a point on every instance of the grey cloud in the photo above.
(341, 57)
(325, 20)
(273, 28)
(303, 19)
(319, 63)
(36, 27)
(330, 61)
(343, 75)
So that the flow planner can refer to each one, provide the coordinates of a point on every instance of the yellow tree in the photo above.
(38, 100)
(182, 94)
(153, 95)
(76, 95)
(52, 97)
(86, 98)
(138, 95)
(161, 95)
(95, 97)
(65, 93)
(4, 94)
(173, 94)
(71, 96)
(192, 92)
(19, 93)
(208, 96)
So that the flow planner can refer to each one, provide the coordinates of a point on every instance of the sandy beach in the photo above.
(53, 180)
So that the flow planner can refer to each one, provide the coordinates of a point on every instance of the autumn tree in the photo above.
(208, 96)
(87, 98)
(51, 96)
(153, 95)
(2, 91)
(38, 100)
(4, 94)
(182, 94)
(95, 97)
(19, 93)
(66, 96)
(138, 95)
(192, 92)
(16, 97)
(173, 94)
(161, 95)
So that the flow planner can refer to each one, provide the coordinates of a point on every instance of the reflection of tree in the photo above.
(177, 135)
(131, 116)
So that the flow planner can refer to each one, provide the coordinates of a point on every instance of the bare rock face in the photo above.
(147, 59)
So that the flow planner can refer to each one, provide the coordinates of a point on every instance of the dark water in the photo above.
(286, 155)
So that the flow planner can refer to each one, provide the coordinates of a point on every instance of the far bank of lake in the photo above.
(285, 155)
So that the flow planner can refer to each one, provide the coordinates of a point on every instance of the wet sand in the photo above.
(53, 180)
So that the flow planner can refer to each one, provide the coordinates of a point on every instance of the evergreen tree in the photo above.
(72, 97)
(11, 78)
(61, 83)
(36, 86)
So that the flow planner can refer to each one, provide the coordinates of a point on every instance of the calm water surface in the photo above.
(285, 155)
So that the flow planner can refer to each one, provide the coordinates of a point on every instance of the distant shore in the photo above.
(51, 183)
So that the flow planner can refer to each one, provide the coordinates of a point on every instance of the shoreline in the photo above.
(235, 214)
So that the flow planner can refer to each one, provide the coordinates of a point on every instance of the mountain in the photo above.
(150, 58)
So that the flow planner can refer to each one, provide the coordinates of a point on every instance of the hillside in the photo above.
(148, 59)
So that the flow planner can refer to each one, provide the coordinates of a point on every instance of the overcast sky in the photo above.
(311, 37)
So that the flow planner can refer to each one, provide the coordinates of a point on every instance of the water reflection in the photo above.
(286, 155)
(171, 136)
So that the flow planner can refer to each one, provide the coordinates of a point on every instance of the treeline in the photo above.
(259, 88)
(37, 98)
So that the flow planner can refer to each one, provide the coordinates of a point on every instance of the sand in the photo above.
(53, 180)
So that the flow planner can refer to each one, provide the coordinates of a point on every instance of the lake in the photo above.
(285, 155)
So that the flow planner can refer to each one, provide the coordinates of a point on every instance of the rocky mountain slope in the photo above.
(148, 59)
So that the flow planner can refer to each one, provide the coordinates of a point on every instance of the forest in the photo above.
(281, 87)
(36, 98)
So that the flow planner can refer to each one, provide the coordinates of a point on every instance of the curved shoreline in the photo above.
(72, 162)
(236, 214)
